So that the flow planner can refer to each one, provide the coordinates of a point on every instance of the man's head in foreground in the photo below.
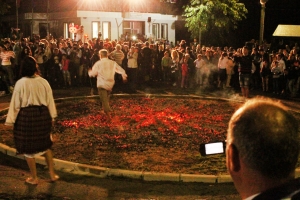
(262, 146)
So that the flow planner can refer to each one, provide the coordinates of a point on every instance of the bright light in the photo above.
(263, 1)
(134, 37)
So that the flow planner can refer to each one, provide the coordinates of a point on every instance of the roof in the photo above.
(287, 31)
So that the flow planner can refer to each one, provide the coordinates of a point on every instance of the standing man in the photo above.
(262, 151)
(105, 70)
(245, 70)
(118, 56)
(200, 65)
(75, 56)
(146, 62)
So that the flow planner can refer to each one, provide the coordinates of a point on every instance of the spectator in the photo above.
(40, 57)
(146, 65)
(84, 64)
(292, 77)
(245, 70)
(132, 57)
(118, 56)
(265, 72)
(255, 78)
(200, 65)
(229, 69)
(75, 55)
(276, 73)
(6, 65)
(65, 64)
(184, 71)
(262, 151)
(166, 64)
(159, 55)
(175, 67)
(31, 113)
(222, 66)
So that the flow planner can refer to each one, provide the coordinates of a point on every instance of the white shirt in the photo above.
(5, 57)
(27, 92)
(223, 62)
(132, 60)
(199, 63)
(281, 65)
(105, 70)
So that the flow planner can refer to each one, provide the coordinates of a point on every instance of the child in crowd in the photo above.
(65, 63)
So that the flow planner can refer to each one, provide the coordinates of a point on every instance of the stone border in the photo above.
(102, 172)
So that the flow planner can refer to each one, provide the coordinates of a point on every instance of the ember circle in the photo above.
(157, 133)
(145, 133)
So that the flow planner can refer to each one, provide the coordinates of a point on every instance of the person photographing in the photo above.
(262, 151)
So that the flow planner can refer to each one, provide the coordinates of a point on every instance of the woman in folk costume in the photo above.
(31, 113)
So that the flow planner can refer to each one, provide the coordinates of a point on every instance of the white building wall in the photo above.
(116, 19)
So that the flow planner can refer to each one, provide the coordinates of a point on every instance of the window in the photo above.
(67, 33)
(95, 29)
(106, 30)
(66, 30)
(155, 31)
(134, 27)
(164, 31)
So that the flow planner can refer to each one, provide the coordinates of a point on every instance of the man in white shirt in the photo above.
(105, 70)
(262, 151)
(200, 65)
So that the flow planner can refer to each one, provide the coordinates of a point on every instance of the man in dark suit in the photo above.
(262, 151)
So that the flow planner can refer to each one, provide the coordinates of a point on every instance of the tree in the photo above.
(4, 8)
(217, 17)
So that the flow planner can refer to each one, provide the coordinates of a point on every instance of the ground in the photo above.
(151, 134)
(14, 172)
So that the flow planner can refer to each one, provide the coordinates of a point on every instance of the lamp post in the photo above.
(262, 20)
(200, 36)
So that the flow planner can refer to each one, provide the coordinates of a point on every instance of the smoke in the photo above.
(209, 86)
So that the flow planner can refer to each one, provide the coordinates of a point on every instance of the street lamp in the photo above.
(262, 20)
(201, 4)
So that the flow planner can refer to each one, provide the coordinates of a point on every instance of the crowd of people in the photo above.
(261, 151)
(65, 63)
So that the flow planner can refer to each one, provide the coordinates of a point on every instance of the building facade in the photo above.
(113, 19)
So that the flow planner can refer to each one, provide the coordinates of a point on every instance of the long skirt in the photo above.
(32, 130)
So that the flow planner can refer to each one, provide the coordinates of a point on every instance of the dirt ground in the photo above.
(13, 173)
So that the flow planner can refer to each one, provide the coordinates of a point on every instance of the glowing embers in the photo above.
(147, 120)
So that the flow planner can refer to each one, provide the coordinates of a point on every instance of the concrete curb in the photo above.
(102, 172)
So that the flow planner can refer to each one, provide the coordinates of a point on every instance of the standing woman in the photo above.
(175, 67)
(222, 66)
(31, 113)
(265, 72)
(132, 67)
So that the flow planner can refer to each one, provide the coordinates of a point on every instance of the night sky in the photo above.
(277, 12)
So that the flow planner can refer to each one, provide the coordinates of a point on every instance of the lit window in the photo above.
(95, 29)
(164, 31)
(155, 31)
(106, 30)
(66, 30)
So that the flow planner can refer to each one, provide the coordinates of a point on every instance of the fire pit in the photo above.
(155, 133)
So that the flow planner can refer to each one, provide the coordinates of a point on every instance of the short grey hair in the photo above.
(266, 136)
